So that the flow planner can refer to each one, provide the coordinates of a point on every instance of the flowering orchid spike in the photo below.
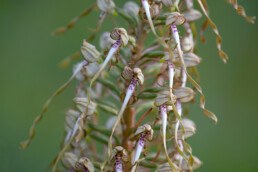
(119, 154)
(26, 143)
(137, 77)
(144, 133)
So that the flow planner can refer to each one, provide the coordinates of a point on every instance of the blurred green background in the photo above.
(29, 74)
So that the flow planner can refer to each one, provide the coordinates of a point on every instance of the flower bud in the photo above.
(120, 33)
(89, 52)
(106, 42)
(191, 59)
(167, 3)
(73, 113)
(164, 98)
(189, 127)
(165, 167)
(175, 17)
(81, 103)
(121, 152)
(69, 159)
(187, 44)
(106, 5)
(172, 4)
(137, 72)
(84, 164)
(91, 69)
(155, 10)
(192, 15)
(145, 129)
(79, 74)
(185, 94)
(196, 164)
(131, 8)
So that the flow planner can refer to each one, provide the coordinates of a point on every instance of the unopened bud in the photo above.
(120, 33)
(192, 15)
(106, 42)
(84, 164)
(196, 164)
(131, 8)
(175, 17)
(191, 59)
(164, 98)
(187, 44)
(165, 167)
(185, 94)
(69, 159)
(89, 52)
(167, 3)
(82, 102)
(155, 9)
(189, 129)
(91, 69)
(106, 5)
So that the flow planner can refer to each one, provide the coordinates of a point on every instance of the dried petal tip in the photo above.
(89, 52)
(119, 151)
(106, 5)
(137, 72)
(145, 129)
(164, 98)
(120, 33)
(84, 164)
(175, 17)
(192, 15)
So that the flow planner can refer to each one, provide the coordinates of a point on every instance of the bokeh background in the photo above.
(29, 74)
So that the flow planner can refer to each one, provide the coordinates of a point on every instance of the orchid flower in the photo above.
(144, 133)
(119, 154)
(136, 76)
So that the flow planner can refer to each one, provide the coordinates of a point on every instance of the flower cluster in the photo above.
(128, 77)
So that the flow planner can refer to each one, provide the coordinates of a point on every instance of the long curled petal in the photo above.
(26, 143)
(241, 11)
(222, 54)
